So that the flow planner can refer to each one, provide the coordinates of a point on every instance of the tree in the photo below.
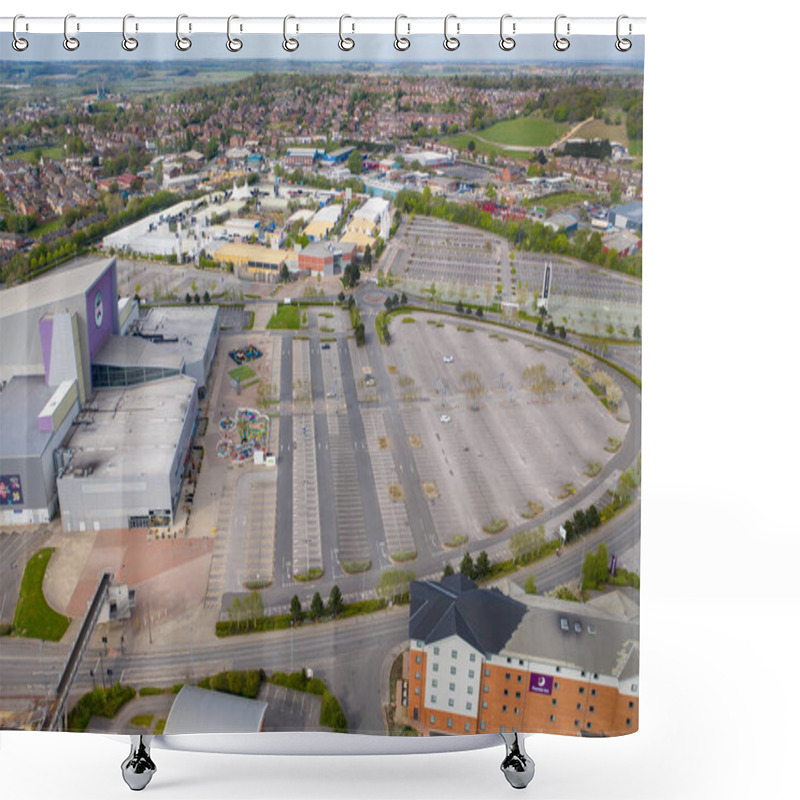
(317, 606)
(206, 297)
(482, 566)
(296, 609)
(448, 570)
(473, 387)
(335, 602)
(354, 163)
(188, 298)
(537, 381)
(367, 259)
(197, 298)
(479, 312)
(637, 332)
(595, 569)
(284, 273)
(395, 584)
(525, 545)
(403, 299)
(467, 566)
(530, 585)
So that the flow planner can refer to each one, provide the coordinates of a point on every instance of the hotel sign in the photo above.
(541, 684)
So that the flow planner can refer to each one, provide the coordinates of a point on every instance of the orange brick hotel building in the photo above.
(484, 662)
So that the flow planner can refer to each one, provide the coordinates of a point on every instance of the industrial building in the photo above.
(203, 711)
(93, 421)
(122, 465)
(326, 258)
(484, 662)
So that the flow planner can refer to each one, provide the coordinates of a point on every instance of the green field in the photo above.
(285, 318)
(33, 616)
(48, 152)
(531, 131)
(242, 373)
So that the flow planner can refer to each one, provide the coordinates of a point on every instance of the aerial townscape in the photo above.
(320, 398)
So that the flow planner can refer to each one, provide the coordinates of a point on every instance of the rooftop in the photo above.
(20, 404)
(54, 287)
(131, 432)
(203, 711)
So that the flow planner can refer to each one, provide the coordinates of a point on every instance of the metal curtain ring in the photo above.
(289, 44)
(183, 43)
(561, 43)
(507, 42)
(19, 44)
(623, 45)
(129, 43)
(345, 42)
(70, 42)
(400, 42)
(233, 44)
(451, 43)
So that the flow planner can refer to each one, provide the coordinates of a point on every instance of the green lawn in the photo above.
(242, 373)
(530, 131)
(33, 616)
(47, 152)
(286, 317)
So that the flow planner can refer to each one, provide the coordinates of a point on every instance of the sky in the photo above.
(324, 47)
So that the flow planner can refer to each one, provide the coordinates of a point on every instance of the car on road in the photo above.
(448, 359)
(445, 418)
(326, 346)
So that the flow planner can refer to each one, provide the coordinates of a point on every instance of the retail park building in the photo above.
(98, 400)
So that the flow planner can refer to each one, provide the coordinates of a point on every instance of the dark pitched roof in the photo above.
(456, 606)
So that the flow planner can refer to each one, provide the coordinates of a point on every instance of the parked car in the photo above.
(444, 418)
(448, 359)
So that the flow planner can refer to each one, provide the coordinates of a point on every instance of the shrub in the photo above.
(99, 703)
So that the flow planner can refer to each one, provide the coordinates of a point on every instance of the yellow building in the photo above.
(253, 260)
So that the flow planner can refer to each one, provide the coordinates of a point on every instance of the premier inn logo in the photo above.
(98, 309)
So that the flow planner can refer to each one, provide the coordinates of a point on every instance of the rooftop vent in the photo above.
(577, 627)
(564, 624)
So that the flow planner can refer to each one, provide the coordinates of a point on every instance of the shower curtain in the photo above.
(321, 381)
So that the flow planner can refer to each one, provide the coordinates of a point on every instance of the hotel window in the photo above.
(555, 684)
(433, 719)
(577, 723)
(552, 718)
(449, 722)
(505, 692)
(471, 673)
(588, 726)
(469, 689)
(486, 672)
(486, 687)
(433, 698)
(483, 724)
(594, 692)
(469, 706)
(580, 706)
(454, 654)
(634, 687)
(450, 702)
(436, 651)
(630, 704)
(595, 676)
(416, 675)
(419, 660)
(508, 661)
(591, 709)
(484, 704)
(519, 678)
(466, 726)
(558, 669)
(435, 682)
(472, 656)
(508, 676)
(416, 690)
(518, 695)
(555, 702)
(516, 711)
(452, 687)
(581, 690)
(505, 708)
(502, 729)
(452, 670)
(628, 722)
(583, 673)
(435, 667)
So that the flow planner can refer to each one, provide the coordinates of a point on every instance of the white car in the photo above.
(444, 418)
(448, 359)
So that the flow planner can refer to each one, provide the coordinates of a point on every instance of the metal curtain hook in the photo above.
(400, 42)
(183, 43)
(289, 44)
(19, 44)
(70, 42)
(233, 44)
(451, 43)
(561, 43)
(507, 42)
(623, 45)
(345, 42)
(129, 43)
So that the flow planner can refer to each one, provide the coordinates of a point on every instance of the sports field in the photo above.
(531, 131)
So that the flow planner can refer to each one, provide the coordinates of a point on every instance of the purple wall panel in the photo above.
(46, 338)
(101, 311)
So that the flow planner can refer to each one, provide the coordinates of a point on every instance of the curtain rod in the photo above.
(404, 25)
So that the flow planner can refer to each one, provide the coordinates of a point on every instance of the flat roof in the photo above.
(541, 636)
(252, 252)
(54, 287)
(21, 403)
(192, 326)
(131, 432)
(135, 351)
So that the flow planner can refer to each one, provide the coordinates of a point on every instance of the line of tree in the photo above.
(318, 608)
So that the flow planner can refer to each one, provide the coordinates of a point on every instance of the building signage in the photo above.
(10, 490)
(541, 684)
(98, 309)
